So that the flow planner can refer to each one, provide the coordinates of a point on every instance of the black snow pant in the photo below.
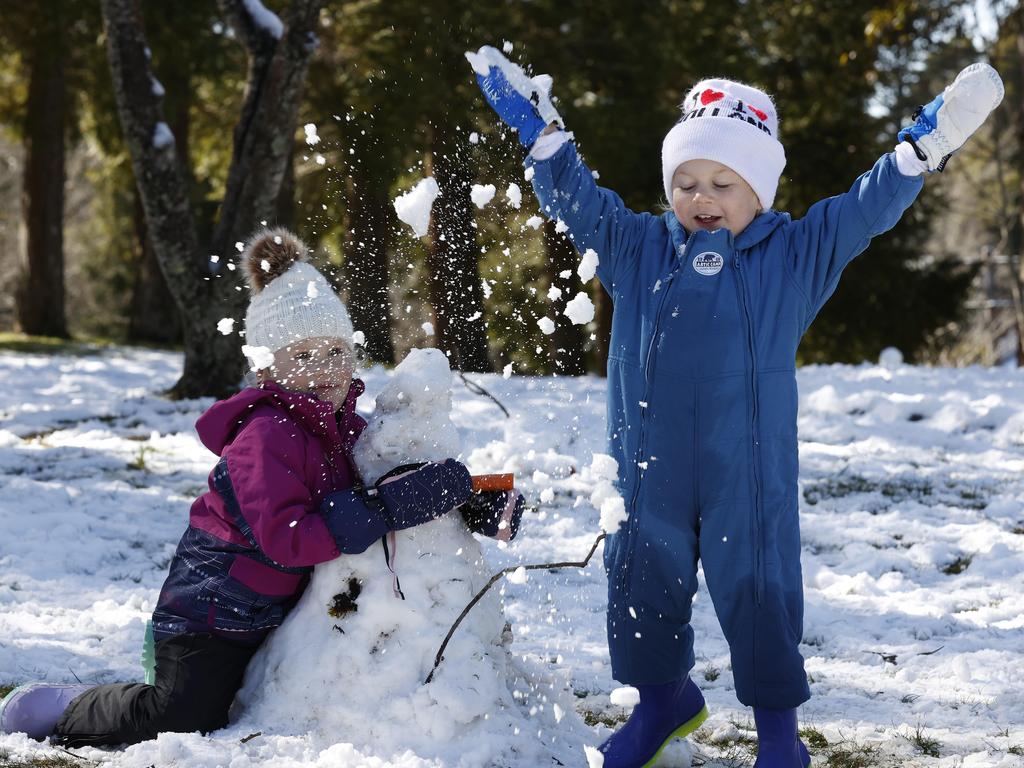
(197, 676)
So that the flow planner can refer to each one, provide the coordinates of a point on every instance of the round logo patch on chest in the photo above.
(708, 263)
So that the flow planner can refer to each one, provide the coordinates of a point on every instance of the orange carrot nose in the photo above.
(502, 482)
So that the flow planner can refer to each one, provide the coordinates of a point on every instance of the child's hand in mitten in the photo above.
(416, 493)
(523, 103)
(944, 124)
(494, 513)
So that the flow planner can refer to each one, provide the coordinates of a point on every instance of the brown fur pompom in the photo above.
(269, 253)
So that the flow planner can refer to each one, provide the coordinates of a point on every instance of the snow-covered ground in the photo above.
(913, 528)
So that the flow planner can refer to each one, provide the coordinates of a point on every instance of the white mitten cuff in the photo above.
(547, 145)
(907, 160)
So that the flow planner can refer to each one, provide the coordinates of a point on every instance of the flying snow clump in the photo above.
(413, 208)
(482, 194)
(588, 265)
(580, 310)
(259, 357)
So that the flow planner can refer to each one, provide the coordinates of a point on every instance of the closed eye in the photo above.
(303, 356)
(722, 186)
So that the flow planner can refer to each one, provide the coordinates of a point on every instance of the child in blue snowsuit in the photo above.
(711, 300)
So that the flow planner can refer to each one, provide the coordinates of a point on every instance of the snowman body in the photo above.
(349, 662)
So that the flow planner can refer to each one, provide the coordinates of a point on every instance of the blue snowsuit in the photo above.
(702, 415)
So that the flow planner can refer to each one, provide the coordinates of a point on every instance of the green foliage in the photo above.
(389, 78)
(46, 345)
(813, 738)
(958, 566)
(53, 760)
(925, 743)
(852, 756)
(513, 265)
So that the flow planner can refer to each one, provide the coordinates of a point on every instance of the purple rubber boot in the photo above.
(665, 712)
(35, 708)
(778, 745)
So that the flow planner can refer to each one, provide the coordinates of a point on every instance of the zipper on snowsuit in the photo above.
(756, 447)
(633, 515)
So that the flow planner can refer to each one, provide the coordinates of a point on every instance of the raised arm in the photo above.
(836, 230)
(594, 217)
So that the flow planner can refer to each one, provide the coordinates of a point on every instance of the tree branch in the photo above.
(266, 130)
(479, 595)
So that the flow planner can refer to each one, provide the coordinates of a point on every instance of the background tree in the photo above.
(202, 76)
(393, 100)
(44, 41)
(356, 81)
(202, 287)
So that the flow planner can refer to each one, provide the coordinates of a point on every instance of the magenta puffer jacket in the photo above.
(255, 535)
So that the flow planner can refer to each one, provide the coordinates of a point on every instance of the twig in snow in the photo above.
(476, 389)
(77, 757)
(887, 658)
(479, 595)
(890, 658)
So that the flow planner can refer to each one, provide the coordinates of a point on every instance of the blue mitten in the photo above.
(406, 496)
(417, 493)
(523, 103)
(494, 513)
(944, 124)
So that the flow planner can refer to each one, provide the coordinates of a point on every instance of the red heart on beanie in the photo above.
(708, 95)
(758, 112)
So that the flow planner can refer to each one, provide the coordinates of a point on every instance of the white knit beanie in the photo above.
(733, 124)
(291, 300)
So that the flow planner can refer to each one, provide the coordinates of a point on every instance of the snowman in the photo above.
(349, 663)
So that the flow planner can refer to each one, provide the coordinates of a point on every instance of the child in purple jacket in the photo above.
(283, 497)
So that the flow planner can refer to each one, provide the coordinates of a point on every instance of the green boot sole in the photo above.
(681, 732)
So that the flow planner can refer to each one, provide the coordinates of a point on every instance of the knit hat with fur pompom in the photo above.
(291, 300)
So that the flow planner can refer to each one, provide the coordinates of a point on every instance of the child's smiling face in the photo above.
(709, 195)
(320, 365)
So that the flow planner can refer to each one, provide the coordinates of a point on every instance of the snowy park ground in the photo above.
(913, 556)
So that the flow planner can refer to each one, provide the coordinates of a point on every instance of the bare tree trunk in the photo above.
(452, 263)
(203, 290)
(152, 313)
(286, 211)
(265, 132)
(1019, 245)
(366, 259)
(40, 296)
(568, 340)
